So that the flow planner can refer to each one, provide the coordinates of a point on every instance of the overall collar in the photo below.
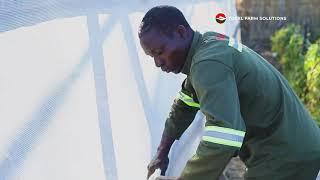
(194, 45)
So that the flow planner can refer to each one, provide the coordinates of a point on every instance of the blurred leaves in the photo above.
(312, 69)
(302, 69)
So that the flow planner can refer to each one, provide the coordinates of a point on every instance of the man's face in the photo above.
(168, 53)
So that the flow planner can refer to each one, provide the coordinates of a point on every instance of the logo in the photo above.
(220, 18)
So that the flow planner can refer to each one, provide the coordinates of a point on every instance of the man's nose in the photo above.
(158, 62)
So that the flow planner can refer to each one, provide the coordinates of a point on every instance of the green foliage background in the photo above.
(301, 68)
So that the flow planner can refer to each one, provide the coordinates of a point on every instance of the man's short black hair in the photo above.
(163, 18)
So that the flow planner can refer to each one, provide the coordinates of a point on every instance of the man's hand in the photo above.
(159, 161)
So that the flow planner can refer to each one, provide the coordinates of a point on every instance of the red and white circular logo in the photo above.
(220, 18)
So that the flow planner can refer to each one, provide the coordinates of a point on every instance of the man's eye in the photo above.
(157, 53)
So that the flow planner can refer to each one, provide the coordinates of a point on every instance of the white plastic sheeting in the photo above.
(79, 98)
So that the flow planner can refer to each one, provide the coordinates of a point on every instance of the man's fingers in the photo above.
(155, 164)
(150, 172)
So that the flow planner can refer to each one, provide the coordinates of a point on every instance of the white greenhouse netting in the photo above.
(79, 98)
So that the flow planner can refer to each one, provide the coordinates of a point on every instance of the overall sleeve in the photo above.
(216, 90)
(183, 111)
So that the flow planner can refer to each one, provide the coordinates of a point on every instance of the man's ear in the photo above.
(182, 31)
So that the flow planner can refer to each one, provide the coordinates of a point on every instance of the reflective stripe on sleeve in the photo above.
(188, 100)
(224, 136)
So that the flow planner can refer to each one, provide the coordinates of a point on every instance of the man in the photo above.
(250, 109)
